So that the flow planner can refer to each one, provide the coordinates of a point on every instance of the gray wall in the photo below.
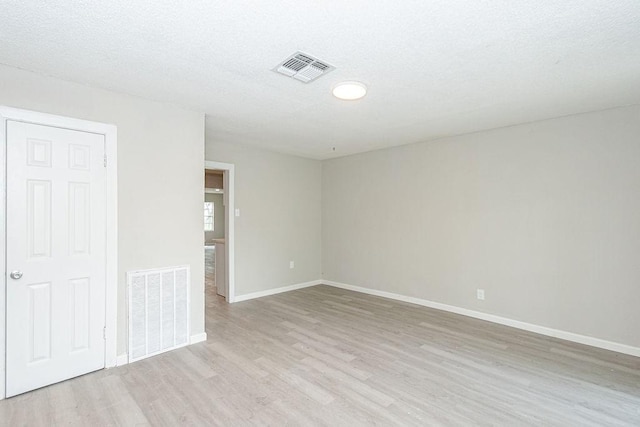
(545, 217)
(218, 217)
(160, 185)
(279, 200)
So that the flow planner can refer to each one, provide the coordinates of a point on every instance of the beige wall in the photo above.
(279, 200)
(545, 217)
(218, 217)
(160, 185)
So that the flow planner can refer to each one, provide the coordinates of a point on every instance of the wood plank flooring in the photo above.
(326, 356)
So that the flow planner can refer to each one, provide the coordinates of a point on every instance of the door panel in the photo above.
(56, 233)
(39, 318)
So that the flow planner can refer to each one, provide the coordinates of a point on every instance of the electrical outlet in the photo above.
(237, 211)
(480, 294)
(292, 264)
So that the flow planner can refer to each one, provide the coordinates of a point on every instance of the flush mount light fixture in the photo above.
(350, 91)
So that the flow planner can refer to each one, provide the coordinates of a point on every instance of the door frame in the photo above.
(229, 222)
(111, 279)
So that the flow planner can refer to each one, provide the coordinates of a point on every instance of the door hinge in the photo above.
(104, 333)
(105, 160)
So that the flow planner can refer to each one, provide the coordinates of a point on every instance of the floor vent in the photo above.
(158, 311)
(303, 67)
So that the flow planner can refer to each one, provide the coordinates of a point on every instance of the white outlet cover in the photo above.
(237, 211)
(292, 264)
(480, 294)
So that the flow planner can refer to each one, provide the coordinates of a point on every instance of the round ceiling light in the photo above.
(350, 91)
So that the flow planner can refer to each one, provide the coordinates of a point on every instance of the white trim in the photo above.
(3, 255)
(542, 330)
(229, 223)
(111, 315)
(194, 339)
(122, 359)
(274, 291)
(110, 134)
(212, 191)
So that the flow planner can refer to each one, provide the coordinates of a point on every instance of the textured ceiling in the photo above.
(434, 68)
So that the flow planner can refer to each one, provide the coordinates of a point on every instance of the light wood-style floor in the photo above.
(326, 356)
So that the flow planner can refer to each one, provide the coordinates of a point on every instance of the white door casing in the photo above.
(56, 233)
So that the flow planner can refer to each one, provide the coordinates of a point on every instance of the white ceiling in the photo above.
(434, 68)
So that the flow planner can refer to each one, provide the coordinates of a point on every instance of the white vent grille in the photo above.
(158, 311)
(303, 67)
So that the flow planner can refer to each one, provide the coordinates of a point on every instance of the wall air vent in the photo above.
(303, 67)
(158, 311)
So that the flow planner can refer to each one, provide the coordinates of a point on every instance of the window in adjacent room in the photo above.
(208, 216)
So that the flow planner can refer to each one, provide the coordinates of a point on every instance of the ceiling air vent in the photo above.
(303, 67)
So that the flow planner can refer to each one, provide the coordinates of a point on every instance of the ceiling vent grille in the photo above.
(303, 67)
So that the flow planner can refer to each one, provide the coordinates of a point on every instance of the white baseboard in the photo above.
(543, 330)
(274, 291)
(122, 359)
(194, 339)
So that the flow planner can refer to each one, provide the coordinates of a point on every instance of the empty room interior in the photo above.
(415, 213)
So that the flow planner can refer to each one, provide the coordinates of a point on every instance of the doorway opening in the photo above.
(214, 233)
(218, 231)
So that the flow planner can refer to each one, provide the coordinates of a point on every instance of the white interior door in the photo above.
(56, 258)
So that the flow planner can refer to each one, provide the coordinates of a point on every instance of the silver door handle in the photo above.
(16, 274)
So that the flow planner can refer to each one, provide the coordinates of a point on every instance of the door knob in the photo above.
(16, 274)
